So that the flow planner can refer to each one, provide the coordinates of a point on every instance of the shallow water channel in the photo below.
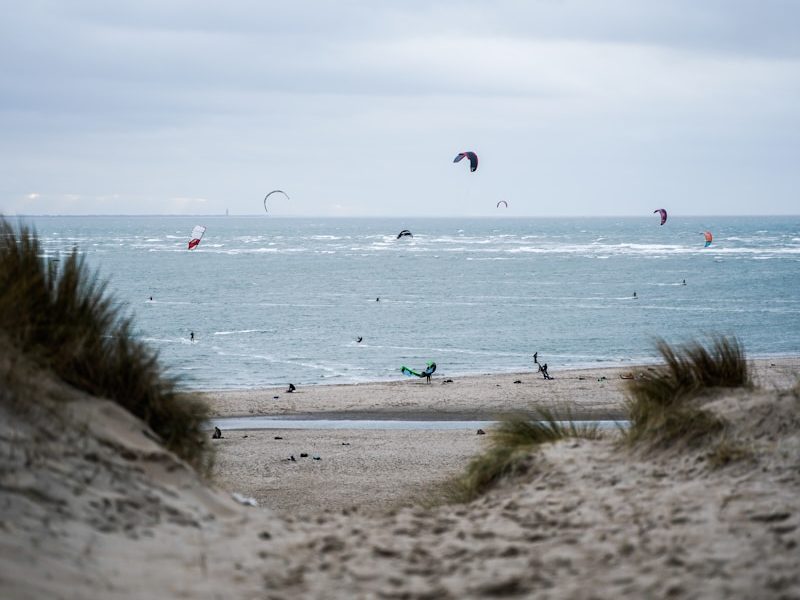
(267, 422)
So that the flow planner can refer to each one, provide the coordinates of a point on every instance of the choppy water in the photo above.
(274, 300)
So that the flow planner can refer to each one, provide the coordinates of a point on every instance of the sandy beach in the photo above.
(580, 393)
(584, 393)
(94, 507)
(378, 470)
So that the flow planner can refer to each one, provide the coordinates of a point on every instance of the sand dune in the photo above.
(92, 507)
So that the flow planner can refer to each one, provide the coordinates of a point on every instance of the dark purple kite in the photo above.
(473, 160)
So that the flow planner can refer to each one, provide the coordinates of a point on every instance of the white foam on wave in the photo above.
(157, 340)
(490, 258)
(236, 331)
(296, 361)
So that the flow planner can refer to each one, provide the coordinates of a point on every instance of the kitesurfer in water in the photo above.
(684, 282)
(634, 295)
(359, 339)
(191, 336)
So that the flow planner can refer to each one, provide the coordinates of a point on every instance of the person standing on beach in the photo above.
(543, 369)
(429, 371)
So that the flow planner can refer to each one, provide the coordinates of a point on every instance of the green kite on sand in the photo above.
(426, 373)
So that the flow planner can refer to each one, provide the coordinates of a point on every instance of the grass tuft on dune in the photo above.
(511, 444)
(60, 315)
(662, 405)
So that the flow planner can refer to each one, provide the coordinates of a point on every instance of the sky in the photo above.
(357, 108)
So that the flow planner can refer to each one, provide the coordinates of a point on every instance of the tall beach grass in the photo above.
(62, 317)
(662, 405)
(511, 443)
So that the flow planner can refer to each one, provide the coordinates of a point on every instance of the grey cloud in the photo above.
(125, 103)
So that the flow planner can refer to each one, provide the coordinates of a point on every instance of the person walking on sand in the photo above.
(543, 369)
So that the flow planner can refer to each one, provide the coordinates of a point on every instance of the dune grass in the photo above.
(662, 405)
(511, 445)
(61, 316)
(727, 451)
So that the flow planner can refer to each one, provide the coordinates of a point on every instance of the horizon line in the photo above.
(313, 216)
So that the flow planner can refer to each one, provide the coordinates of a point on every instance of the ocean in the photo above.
(278, 300)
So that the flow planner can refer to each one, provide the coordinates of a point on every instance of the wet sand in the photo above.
(581, 393)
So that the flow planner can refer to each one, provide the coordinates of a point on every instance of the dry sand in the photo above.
(92, 507)
(383, 469)
(376, 471)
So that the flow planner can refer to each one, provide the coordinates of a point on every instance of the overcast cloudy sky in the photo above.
(575, 107)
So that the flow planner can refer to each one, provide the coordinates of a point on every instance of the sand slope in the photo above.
(92, 507)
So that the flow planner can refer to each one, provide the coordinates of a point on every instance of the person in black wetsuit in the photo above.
(543, 369)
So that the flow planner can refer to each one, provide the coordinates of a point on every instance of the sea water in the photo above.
(278, 300)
